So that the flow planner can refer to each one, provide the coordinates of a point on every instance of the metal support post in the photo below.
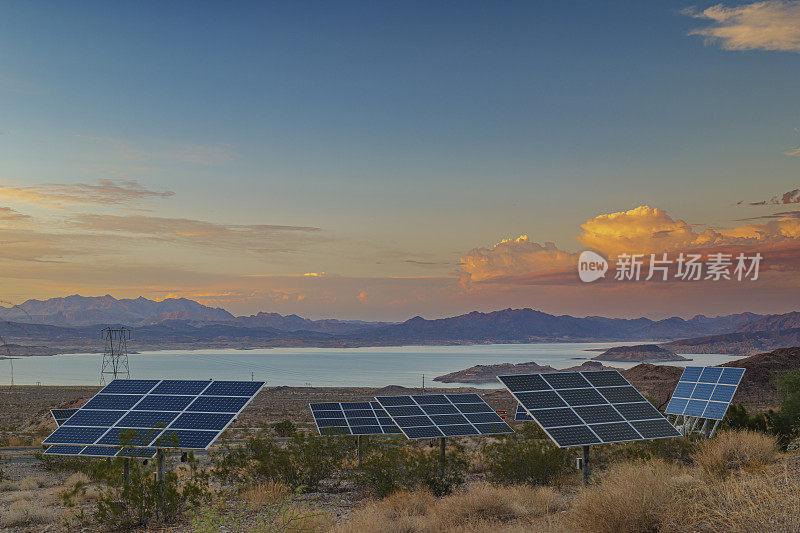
(161, 464)
(442, 457)
(126, 471)
(585, 470)
(360, 450)
(714, 429)
(705, 429)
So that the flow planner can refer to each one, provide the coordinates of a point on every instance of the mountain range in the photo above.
(72, 323)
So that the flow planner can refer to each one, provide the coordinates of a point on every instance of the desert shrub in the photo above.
(22, 513)
(274, 511)
(145, 500)
(284, 428)
(745, 501)
(393, 465)
(303, 461)
(526, 457)
(484, 507)
(628, 497)
(730, 450)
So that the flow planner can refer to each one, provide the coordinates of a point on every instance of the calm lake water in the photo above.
(336, 367)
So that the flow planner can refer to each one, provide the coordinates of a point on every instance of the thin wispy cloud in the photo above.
(794, 152)
(260, 238)
(789, 197)
(768, 25)
(105, 191)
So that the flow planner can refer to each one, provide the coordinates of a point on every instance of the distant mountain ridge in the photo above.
(71, 324)
(79, 310)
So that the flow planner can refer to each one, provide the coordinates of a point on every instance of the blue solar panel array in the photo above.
(152, 414)
(100, 451)
(591, 407)
(61, 415)
(705, 391)
(423, 416)
(352, 418)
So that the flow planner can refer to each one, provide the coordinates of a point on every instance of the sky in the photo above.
(381, 160)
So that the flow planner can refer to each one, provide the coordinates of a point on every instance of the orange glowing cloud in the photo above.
(642, 230)
(512, 257)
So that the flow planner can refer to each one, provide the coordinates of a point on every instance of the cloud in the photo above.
(769, 25)
(8, 214)
(790, 197)
(794, 152)
(260, 238)
(106, 191)
(512, 257)
(642, 230)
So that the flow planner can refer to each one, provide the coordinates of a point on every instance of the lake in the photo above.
(318, 367)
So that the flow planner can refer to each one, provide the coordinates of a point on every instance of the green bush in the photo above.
(302, 462)
(145, 500)
(399, 465)
(527, 456)
(284, 428)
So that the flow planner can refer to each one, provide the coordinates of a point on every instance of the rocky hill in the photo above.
(489, 373)
(640, 353)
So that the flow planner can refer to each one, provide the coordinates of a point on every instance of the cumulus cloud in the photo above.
(768, 25)
(513, 257)
(642, 230)
(105, 191)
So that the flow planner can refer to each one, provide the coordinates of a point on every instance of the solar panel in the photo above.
(424, 416)
(704, 392)
(352, 418)
(133, 414)
(60, 415)
(521, 415)
(100, 451)
(591, 407)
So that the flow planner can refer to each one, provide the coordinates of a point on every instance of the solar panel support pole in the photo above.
(442, 458)
(160, 465)
(126, 471)
(705, 429)
(585, 465)
(714, 429)
(360, 451)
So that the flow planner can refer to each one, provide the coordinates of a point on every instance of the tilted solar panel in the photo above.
(100, 451)
(187, 414)
(589, 407)
(705, 391)
(352, 418)
(521, 415)
(61, 415)
(424, 416)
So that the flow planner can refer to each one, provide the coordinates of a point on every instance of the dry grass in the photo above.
(26, 513)
(78, 478)
(745, 502)
(629, 497)
(267, 493)
(483, 507)
(731, 450)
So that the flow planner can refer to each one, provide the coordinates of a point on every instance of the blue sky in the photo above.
(403, 131)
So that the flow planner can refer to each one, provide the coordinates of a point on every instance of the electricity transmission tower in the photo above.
(115, 355)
